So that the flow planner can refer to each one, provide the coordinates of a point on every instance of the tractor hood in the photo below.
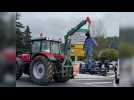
(47, 54)
(59, 56)
(52, 56)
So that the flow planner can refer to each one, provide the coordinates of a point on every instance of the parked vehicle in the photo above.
(94, 67)
(7, 65)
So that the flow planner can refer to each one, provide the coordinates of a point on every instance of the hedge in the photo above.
(109, 54)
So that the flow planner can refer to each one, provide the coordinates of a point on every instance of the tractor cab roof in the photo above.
(45, 39)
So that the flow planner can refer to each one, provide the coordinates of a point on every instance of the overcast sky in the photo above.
(56, 24)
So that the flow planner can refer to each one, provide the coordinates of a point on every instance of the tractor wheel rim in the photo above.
(38, 71)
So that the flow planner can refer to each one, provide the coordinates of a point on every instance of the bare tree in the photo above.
(97, 28)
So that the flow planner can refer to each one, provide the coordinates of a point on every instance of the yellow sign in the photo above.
(77, 46)
(77, 50)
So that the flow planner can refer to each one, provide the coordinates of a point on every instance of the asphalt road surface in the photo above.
(79, 81)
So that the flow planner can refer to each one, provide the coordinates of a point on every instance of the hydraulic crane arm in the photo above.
(67, 64)
(71, 32)
(82, 23)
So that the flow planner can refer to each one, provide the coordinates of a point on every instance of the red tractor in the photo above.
(46, 62)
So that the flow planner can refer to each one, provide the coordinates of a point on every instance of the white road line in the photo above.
(93, 78)
(100, 85)
(97, 83)
(92, 83)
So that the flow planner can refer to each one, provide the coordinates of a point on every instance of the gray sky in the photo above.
(56, 24)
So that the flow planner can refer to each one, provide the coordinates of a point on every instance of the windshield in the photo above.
(49, 46)
(55, 47)
(35, 46)
(45, 46)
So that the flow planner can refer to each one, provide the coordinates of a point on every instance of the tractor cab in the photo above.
(42, 46)
(45, 62)
(51, 46)
(47, 47)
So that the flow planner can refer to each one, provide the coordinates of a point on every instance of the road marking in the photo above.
(98, 83)
(93, 83)
(93, 78)
(101, 85)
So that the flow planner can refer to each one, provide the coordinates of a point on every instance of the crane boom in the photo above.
(71, 32)
(67, 60)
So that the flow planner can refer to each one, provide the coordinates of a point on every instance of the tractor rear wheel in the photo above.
(58, 74)
(59, 79)
(41, 70)
(18, 68)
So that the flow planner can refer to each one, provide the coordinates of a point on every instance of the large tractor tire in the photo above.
(41, 70)
(58, 74)
(59, 79)
(18, 65)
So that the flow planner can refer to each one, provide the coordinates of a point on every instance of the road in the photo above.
(78, 81)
